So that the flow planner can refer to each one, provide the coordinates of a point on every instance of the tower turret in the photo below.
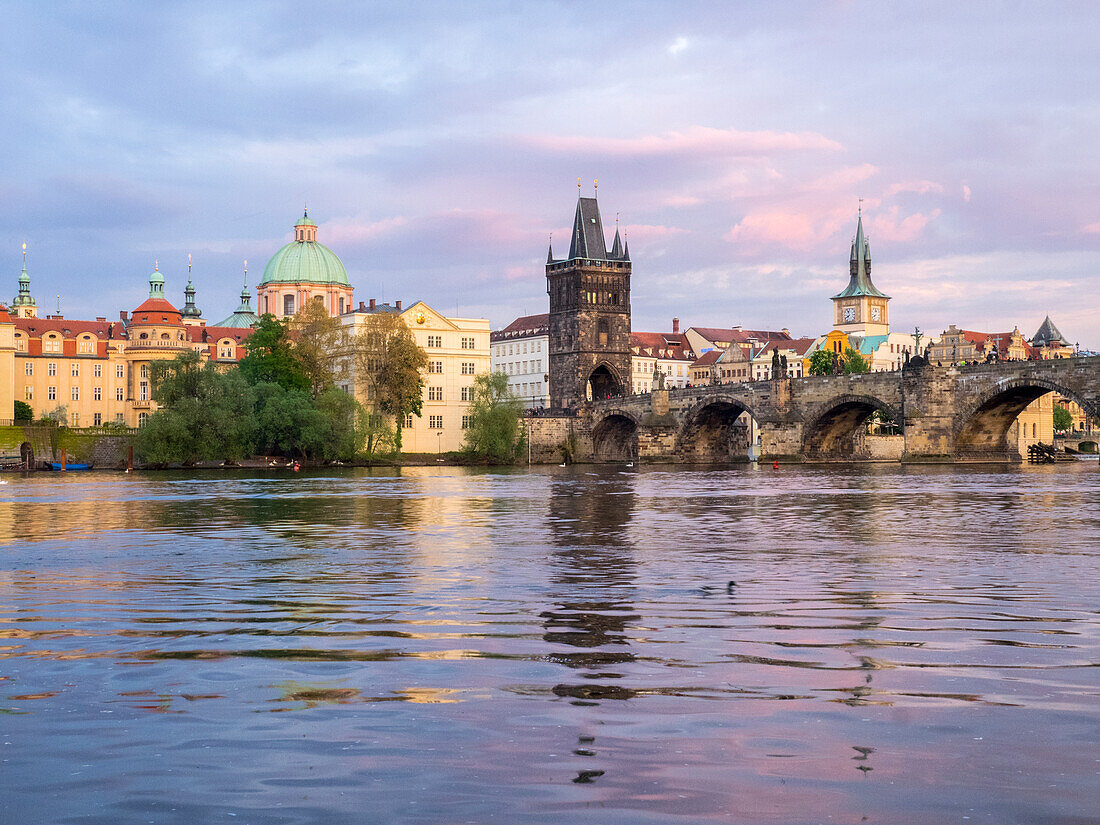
(589, 314)
(23, 304)
(861, 308)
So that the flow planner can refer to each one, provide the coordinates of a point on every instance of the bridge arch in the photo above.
(615, 436)
(604, 382)
(830, 430)
(714, 430)
(982, 426)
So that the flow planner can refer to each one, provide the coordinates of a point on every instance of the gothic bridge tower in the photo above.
(589, 313)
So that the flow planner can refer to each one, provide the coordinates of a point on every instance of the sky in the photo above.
(438, 147)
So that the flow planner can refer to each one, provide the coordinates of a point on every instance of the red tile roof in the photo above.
(666, 345)
(34, 327)
(523, 327)
(707, 358)
(157, 305)
(741, 336)
(799, 346)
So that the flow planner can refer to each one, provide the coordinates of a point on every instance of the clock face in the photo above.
(875, 312)
(849, 313)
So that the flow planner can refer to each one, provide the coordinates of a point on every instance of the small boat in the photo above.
(56, 465)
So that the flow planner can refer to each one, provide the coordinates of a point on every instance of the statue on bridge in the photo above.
(658, 377)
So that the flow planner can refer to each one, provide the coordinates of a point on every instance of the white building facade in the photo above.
(522, 352)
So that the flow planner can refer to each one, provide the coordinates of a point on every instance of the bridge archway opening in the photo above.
(615, 438)
(985, 428)
(719, 432)
(834, 433)
(603, 383)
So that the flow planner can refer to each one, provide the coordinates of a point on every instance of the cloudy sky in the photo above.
(438, 147)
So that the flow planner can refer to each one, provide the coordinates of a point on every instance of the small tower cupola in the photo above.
(189, 309)
(305, 230)
(24, 304)
(156, 282)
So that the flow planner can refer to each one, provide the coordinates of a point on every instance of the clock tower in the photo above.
(861, 309)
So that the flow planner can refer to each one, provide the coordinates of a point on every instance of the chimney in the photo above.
(737, 327)
(101, 320)
(675, 325)
(372, 303)
(786, 332)
(362, 307)
(124, 315)
(398, 306)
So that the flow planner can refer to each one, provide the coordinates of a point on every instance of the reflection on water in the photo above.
(445, 645)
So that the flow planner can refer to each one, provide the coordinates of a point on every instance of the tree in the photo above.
(1063, 418)
(315, 335)
(341, 416)
(287, 423)
(205, 414)
(494, 415)
(821, 362)
(23, 411)
(854, 362)
(389, 366)
(271, 357)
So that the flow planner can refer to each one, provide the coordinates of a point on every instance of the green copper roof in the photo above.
(24, 299)
(305, 261)
(860, 283)
(244, 317)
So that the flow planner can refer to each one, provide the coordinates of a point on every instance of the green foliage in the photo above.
(821, 362)
(341, 416)
(316, 338)
(204, 415)
(271, 358)
(375, 434)
(855, 363)
(23, 411)
(390, 365)
(1063, 418)
(494, 413)
(287, 423)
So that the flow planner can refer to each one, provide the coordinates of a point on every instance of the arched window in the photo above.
(288, 305)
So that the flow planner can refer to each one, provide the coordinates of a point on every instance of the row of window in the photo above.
(435, 422)
(517, 349)
(466, 342)
(74, 393)
(436, 393)
(97, 369)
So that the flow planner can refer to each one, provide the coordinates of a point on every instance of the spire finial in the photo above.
(24, 254)
(156, 265)
(188, 267)
(305, 210)
(861, 207)
(246, 272)
(595, 187)
(578, 187)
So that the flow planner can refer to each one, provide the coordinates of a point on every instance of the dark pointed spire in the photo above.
(588, 240)
(550, 251)
(860, 266)
(626, 248)
(617, 245)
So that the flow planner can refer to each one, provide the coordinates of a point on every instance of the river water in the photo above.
(442, 645)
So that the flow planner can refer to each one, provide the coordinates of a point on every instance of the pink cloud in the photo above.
(1092, 228)
(694, 140)
(792, 229)
(350, 230)
(888, 227)
(919, 187)
(646, 232)
(845, 177)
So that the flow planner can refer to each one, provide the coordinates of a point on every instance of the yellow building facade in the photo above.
(457, 350)
(91, 373)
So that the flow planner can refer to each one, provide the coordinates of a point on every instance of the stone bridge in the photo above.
(940, 413)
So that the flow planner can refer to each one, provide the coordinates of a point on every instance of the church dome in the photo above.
(304, 260)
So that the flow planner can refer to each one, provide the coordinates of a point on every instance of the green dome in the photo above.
(304, 260)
